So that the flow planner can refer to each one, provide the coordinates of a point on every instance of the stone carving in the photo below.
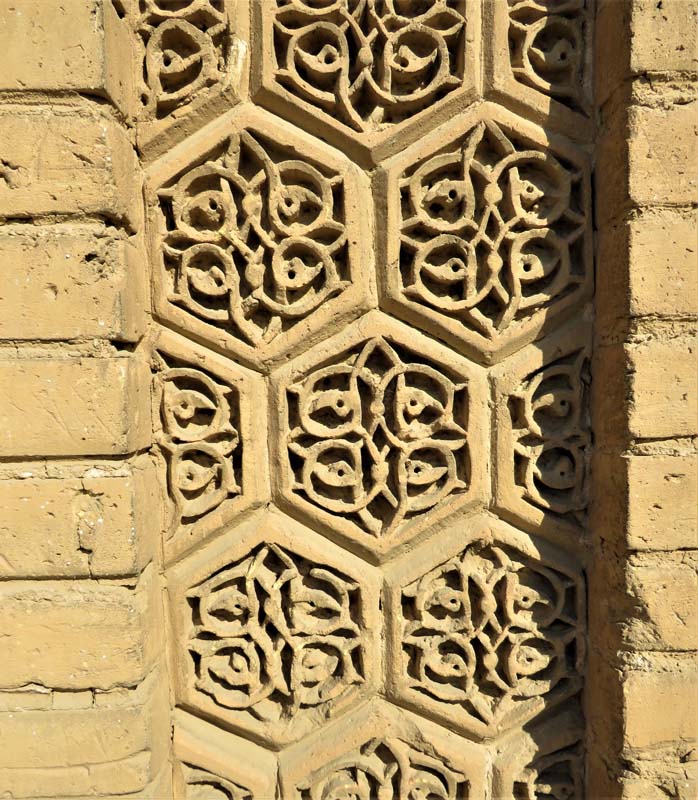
(185, 48)
(493, 235)
(487, 631)
(255, 240)
(199, 437)
(378, 436)
(556, 776)
(549, 418)
(385, 768)
(547, 47)
(370, 64)
(201, 785)
(274, 633)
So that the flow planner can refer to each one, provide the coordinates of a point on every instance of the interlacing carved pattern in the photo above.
(547, 47)
(378, 436)
(185, 46)
(489, 628)
(201, 785)
(255, 240)
(274, 633)
(370, 63)
(557, 776)
(552, 438)
(492, 231)
(199, 418)
(385, 769)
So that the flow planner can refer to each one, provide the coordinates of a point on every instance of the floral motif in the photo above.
(489, 628)
(201, 785)
(491, 232)
(255, 241)
(370, 63)
(385, 768)
(552, 438)
(199, 438)
(274, 633)
(556, 776)
(378, 436)
(185, 48)
(547, 47)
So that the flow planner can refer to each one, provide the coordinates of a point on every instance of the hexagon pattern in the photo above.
(370, 270)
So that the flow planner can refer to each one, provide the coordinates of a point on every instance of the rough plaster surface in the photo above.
(348, 367)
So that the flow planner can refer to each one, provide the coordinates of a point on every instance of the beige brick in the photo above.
(661, 700)
(77, 635)
(55, 527)
(57, 160)
(664, 388)
(665, 590)
(78, 45)
(74, 406)
(662, 154)
(663, 35)
(69, 282)
(662, 502)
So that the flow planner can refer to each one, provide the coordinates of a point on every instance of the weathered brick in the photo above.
(665, 587)
(74, 406)
(664, 382)
(75, 161)
(78, 635)
(73, 527)
(78, 45)
(69, 282)
(662, 502)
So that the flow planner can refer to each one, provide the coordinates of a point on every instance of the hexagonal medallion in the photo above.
(380, 751)
(490, 237)
(381, 432)
(369, 75)
(275, 630)
(487, 628)
(255, 235)
(209, 437)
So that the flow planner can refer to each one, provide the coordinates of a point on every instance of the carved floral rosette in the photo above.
(488, 631)
(202, 785)
(378, 436)
(273, 634)
(548, 48)
(384, 767)
(493, 230)
(557, 776)
(254, 239)
(371, 63)
(198, 437)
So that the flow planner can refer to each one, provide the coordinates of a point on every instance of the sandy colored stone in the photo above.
(70, 282)
(78, 635)
(664, 36)
(78, 45)
(73, 406)
(95, 526)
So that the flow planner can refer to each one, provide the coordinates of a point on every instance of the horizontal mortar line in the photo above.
(73, 459)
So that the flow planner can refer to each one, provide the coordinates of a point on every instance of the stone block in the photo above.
(69, 282)
(74, 406)
(78, 527)
(662, 502)
(60, 160)
(77, 635)
(663, 36)
(74, 45)
(664, 386)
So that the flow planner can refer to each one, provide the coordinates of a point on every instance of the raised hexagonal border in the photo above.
(366, 149)
(252, 396)
(378, 719)
(426, 557)
(391, 298)
(336, 527)
(351, 303)
(269, 526)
